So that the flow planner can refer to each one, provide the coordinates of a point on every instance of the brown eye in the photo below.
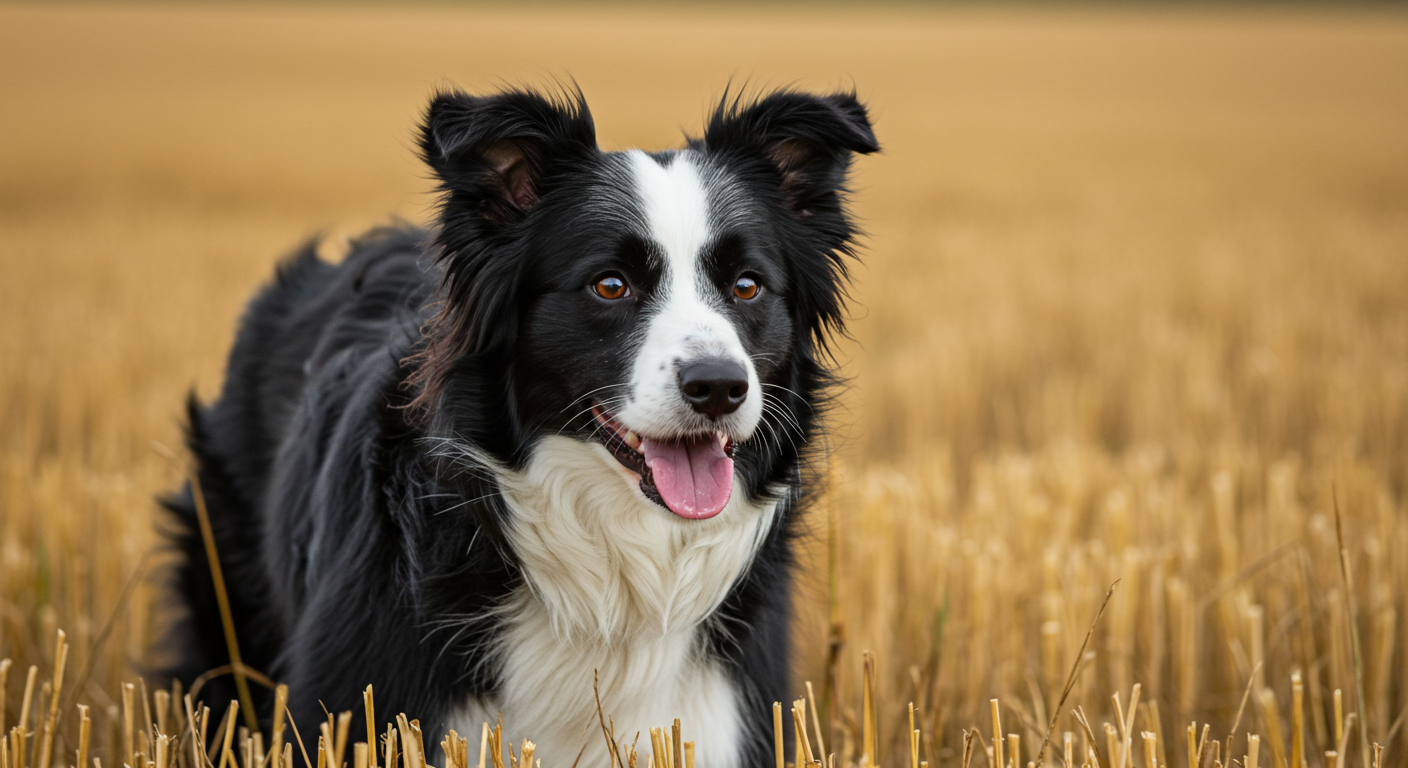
(745, 288)
(611, 287)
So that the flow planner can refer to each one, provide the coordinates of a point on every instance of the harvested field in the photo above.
(1134, 307)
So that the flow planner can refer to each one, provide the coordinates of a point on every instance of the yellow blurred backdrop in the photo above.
(1133, 305)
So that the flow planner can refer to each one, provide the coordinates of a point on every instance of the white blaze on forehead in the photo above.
(676, 208)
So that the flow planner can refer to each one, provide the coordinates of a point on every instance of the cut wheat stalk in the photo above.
(162, 697)
(148, 722)
(1155, 725)
(276, 738)
(293, 725)
(163, 749)
(85, 729)
(676, 746)
(25, 702)
(913, 740)
(496, 742)
(816, 721)
(1339, 719)
(804, 747)
(1271, 716)
(1092, 746)
(392, 755)
(997, 760)
(1125, 720)
(325, 746)
(129, 745)
(1350, 721)
(339, 751)
(226, 756)
(17, 747)
(450, 747)
(412, 748)
(1297, 719)
(779, 753)
(206, 745)
(870, 758)
(631, 757)
(46, 688)
(798, 754)
(1347, 574)
(370, 709)
(46, 738)
(657, 749)
(4, 687)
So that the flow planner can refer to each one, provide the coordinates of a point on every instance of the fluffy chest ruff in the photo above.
(618, 588)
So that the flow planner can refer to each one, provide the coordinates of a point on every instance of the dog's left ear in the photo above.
(808, 140)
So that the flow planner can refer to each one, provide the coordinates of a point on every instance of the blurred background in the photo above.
(1133, 306)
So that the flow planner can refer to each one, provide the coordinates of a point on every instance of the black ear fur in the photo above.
(492, 152)
(496, 157)
(808, 140)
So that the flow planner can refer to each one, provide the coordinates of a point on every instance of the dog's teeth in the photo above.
(723, 440)
(632, 439)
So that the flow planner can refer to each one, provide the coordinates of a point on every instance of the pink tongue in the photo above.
(695, 478)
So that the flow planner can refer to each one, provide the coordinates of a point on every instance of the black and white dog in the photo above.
(562, 433)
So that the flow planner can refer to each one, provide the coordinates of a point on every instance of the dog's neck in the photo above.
(610, 566)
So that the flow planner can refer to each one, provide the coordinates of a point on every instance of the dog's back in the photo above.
(303, 336)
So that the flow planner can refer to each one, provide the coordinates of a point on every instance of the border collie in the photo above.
(562, 433)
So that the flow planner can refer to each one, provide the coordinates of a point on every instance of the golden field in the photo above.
(1134, 306)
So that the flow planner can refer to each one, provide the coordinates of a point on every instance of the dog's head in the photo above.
(672, 307)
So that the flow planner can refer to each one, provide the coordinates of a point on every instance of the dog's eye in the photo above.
(745, 288)
(612, 287)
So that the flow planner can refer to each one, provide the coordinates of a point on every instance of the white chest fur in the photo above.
(618, 587)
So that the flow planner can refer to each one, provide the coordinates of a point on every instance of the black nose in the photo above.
(714, 387)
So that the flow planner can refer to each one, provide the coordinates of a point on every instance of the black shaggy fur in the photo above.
(343, 534)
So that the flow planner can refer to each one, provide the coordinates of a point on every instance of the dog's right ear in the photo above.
(496, 157)
(494, 154)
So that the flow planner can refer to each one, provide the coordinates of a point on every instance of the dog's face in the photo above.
(668, 306)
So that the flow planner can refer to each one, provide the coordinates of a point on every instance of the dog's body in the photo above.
(559, 436)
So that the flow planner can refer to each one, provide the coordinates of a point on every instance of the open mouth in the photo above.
(692, 476)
